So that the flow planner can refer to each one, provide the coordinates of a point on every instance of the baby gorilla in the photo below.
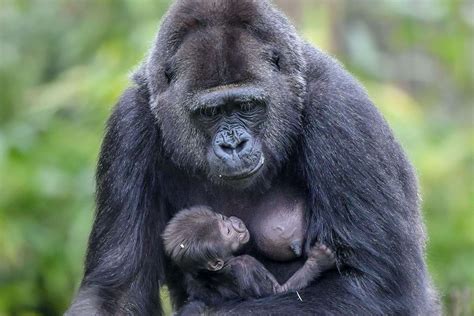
(204, 245)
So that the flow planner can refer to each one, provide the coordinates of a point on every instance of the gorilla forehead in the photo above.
(188, 16)
(257, 18)
(219, 56)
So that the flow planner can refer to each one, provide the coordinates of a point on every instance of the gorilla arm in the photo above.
(253, 280)
(244, 277)
(124, 264)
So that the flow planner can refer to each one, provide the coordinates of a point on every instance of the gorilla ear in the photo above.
(215, 264)
(140, 79)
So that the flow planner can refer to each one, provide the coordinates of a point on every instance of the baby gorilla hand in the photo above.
(320, 259)
(321, 256)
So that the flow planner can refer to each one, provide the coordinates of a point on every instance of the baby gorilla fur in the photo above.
(204, 245)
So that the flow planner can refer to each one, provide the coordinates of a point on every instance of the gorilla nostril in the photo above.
(241, 146)
(227, 148)
(231, 144)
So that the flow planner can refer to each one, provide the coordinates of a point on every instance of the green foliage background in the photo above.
(63, 64)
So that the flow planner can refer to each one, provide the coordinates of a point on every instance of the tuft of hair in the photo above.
(192, 238)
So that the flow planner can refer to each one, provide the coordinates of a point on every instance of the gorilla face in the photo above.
(232, 116)
(227, 98)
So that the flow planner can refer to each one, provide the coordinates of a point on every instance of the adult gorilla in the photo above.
(233, 110)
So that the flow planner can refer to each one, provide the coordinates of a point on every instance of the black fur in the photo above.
(321, 135)
(242, 277)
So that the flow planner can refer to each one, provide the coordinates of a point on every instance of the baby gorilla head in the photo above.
(198, 238)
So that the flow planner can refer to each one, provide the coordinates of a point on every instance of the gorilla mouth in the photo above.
(246, 174)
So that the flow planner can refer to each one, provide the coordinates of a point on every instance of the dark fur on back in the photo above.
(321, 135)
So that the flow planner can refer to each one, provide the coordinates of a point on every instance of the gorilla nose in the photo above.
(238, 224)
(232, 143)
(237, 146)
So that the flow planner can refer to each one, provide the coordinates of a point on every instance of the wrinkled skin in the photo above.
(230, 106)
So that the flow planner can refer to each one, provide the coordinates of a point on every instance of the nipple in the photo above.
(296, 247)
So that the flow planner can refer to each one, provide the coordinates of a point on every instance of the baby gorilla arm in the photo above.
(320, 259)
(254, 280)
(251, 278)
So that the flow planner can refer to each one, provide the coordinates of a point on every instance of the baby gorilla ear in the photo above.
(215, 264)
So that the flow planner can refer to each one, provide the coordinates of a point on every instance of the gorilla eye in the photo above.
(275, 59)
(209, 112)
(247, 107)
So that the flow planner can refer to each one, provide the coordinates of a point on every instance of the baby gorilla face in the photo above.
(233, 231)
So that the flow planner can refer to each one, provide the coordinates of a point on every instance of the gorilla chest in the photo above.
(275, 221)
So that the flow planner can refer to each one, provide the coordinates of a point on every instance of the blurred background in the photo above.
(63, 64)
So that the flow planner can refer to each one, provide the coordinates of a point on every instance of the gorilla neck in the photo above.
(227, 199)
